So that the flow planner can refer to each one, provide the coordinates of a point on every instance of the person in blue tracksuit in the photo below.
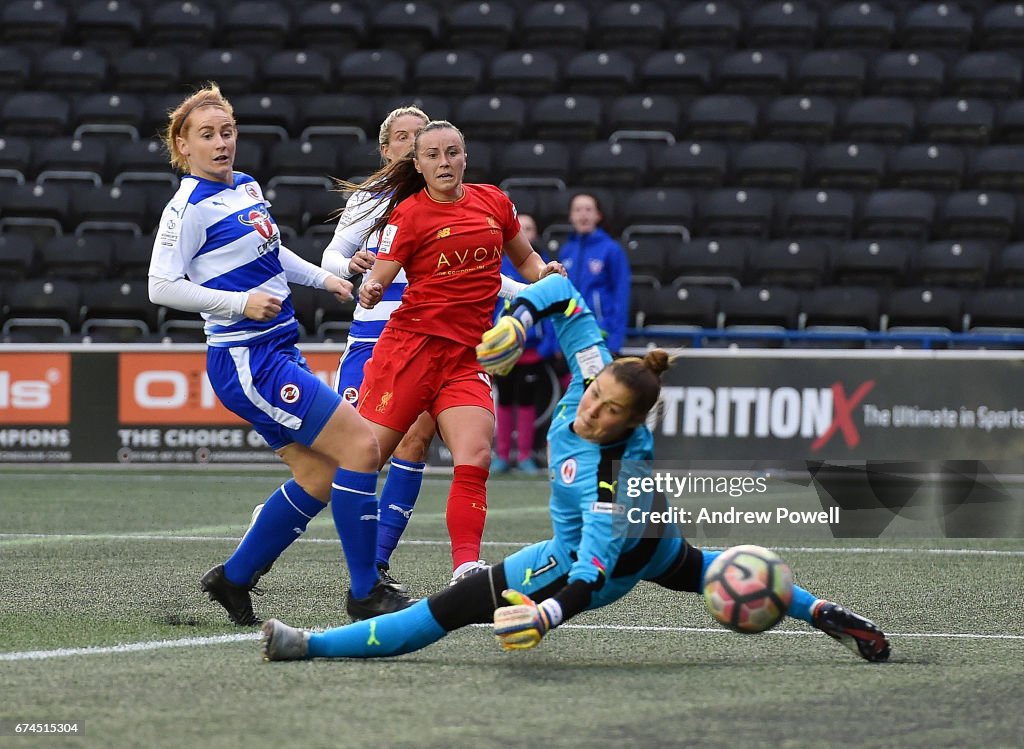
(597, 441)
(597, 265)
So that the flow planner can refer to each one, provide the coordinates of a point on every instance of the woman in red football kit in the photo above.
(449, 238)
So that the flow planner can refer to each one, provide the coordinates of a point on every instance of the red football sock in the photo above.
(467, 511)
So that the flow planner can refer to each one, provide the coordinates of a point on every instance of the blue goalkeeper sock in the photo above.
(354, 506)
(397, 498)
(799, 608)
(391, 634)
(284, 518)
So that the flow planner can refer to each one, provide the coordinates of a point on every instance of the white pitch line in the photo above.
(136, 647)
(427, 542)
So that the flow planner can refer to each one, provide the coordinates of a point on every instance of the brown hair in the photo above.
(399, 178)
(642, 375)
(208, 96)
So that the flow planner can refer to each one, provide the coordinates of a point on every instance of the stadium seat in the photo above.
(79, 258)
(38, 210)
(448, 72)
(601, 72)
(968, 121)
(647, 255)
(330, 26)
(178, 25)
(731, 211)
(524, 72)
(409, 28)
(492, 116)
(691, 163)
(140, 156)
(1002, 27)
(108, 208)
(809, 119)
(987, 74)
(711, 261)
(997, 168)
(485, 27)
(721, 117)
(879, 119)
(562, 25)
(954, 262)
(15, 157)
(17, 257)
(759, 309)
(977, 214)
(336, 110)
(897, 213)
(704, 25)
(936, 25)
(927, 166)
(114, 117)
(847, 166)
(64, 69)
(841, 309)
(632, 24)
(131, 257)
(679, 307)
(924, 309)
(752, 72)
(818, 213)
(258, 26)
(546, 160)
(321, 210)
(621, 165)
(111, 26)
(770, 164)
(682, 72)
(46, 309)
(657, 206)
(267, 118)
(907, 73)
(70, 159)
(357, 161)
(156, 188)
(333, 318)
(117, 311)
(830, 72)
(570, 117)
(859, 24)
(794, 263)
(15, 69)
(651, 113)
(995, 311)
(788, 24)
(882, 263)
(234, 69)
(377, 72)
(302, 72)
(27, 22)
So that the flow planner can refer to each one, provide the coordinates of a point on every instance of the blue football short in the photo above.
(270, 385)
(350, 372)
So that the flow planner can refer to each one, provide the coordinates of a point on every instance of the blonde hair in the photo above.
(385, 127)
(208, 96)
(642, 375)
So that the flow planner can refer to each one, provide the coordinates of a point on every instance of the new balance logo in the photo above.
(445, 232)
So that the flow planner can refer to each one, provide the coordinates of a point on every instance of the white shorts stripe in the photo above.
(240, 355)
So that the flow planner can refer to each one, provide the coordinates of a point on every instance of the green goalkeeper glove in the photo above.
(521, 625)
(501, 346)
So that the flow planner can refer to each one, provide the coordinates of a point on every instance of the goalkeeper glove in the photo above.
(522, 625)
(501, 346)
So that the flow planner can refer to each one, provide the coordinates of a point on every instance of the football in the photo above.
(748, 588)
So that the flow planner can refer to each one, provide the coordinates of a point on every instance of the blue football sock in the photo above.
(391, 634)
(283, 519)
(397, 498)
(354, 506)
(799, 608)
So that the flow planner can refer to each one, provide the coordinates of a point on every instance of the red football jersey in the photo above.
(451, 253)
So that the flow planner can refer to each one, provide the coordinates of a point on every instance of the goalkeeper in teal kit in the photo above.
(597, 441)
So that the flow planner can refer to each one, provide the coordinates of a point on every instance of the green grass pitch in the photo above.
(102, 622)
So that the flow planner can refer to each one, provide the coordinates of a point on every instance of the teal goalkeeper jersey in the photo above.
(585, 515)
